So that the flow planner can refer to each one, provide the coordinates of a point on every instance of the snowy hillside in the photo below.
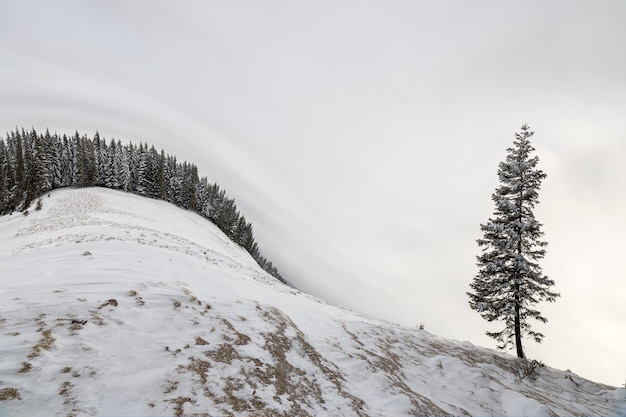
(117, 305)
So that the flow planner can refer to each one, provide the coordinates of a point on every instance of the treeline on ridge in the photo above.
(32, 164)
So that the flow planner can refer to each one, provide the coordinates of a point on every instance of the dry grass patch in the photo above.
(179, 404)
(241, 339)
(201, 341)
(139, 300)
(9, 394)
(65, 389)
(173, 352)
(26, 367)
(45, 343)
(170, 387)
(290, 380)
(112, 302)
(199, 367)
(96, 319)
(76, 325)
(40, 320)
(225, 353)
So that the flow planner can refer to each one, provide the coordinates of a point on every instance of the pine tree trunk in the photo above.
(518, 328)
(518, 325)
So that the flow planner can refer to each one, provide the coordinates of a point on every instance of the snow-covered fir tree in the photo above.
(510, 281)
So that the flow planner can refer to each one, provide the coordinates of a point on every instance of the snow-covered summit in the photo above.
(113, 304)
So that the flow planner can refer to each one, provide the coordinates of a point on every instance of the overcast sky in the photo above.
(362, 138)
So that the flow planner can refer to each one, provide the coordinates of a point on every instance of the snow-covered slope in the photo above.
(116, 305)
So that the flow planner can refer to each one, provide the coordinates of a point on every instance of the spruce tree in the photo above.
(4, 176)
(78, 162)
(66, 162)
(112, 168)
(32, 170)
(19, 194)
(510, 280)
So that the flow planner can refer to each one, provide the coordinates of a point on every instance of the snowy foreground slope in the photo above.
(116, 305)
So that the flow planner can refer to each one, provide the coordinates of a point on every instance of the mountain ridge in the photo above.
(33, 164)
(114, 304)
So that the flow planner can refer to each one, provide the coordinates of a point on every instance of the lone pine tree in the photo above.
(510, 281)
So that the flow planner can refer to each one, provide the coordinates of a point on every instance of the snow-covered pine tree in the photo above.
(33, 167)
(4, 176)
(146, 171)
(9, 173)
(510, 281)
(19, 194)
(122, 165)
(101, 157)
(160, 176)
(112, 173)
(66, 158)
(51, 163)
(90, 162)
(78, 162)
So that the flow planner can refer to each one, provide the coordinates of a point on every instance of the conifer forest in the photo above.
(33, 164)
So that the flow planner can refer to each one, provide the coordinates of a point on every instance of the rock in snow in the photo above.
(167, 317)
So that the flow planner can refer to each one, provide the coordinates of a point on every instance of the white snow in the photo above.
(117, 305)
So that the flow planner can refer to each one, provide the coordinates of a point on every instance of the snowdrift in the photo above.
(117, 305)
